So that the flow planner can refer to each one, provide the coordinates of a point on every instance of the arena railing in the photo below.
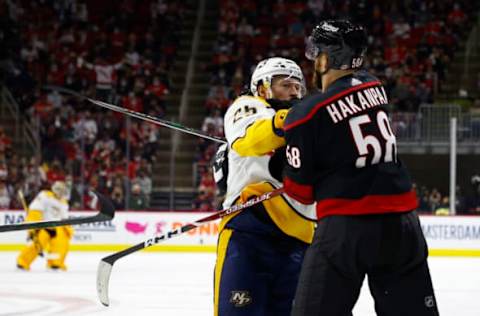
(431, 125)
(23, 128)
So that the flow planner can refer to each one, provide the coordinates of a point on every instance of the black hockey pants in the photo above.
(389, 248)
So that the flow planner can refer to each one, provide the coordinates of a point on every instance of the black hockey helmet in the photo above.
(344, 42)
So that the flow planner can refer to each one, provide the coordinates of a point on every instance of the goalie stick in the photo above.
(106, 264)
(142, 116)
(107, 212)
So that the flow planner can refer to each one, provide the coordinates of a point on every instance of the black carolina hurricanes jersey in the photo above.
(342, 153)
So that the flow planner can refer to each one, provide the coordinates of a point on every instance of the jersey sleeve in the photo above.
(249, 127)
(38, 203)
(298, 174)
(64, 210)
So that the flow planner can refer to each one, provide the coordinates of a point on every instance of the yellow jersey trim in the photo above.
(223, 242)
(255, 98)
(259, 139)
(282, 214)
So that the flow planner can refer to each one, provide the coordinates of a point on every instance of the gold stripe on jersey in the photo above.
(52, 195)
(34, 216)
(281, 213)
(259, 139)
(255, 98)
(223, 240)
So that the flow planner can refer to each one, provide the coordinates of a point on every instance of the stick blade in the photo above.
(105, 205)
(103, 278)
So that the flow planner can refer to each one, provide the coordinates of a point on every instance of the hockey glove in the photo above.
(278, 121)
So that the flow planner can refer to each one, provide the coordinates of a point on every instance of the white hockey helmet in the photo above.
(275, 66)
(59, 188)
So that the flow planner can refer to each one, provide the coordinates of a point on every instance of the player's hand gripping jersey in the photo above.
(255, 168)
(356, 173)
(47, 206)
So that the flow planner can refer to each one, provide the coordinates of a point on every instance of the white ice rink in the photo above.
(180, 284)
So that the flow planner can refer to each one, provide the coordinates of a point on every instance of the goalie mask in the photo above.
(59, 188)
(276, 66)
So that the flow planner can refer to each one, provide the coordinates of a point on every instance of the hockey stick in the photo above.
(142, 116)
(21, 197)
(107, 212)
(106, 264)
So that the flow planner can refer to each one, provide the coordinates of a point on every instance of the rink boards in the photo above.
(446, 235)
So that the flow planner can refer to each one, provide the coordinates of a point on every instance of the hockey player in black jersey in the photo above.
(260, 250)
(342, 154)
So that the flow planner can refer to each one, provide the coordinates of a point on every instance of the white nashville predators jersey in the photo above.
(50, 206)
(247, 170)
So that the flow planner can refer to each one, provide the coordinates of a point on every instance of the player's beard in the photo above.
(317, 79)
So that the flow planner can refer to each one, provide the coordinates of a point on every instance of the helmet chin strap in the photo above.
(268, 90)
(269, 94)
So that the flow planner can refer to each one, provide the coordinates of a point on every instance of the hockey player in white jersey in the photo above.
(48, 205)
(260, 250)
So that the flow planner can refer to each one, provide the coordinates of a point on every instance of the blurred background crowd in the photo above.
(126, 59)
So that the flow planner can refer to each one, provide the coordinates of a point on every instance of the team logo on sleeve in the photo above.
(429, 301)
(240, 298)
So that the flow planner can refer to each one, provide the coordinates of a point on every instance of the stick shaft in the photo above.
(157, 239)
(21, 197)
(142, 116)
(106, 213)
(47, 224)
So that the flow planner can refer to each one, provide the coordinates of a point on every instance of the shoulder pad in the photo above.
(47, 193)
(249, 100)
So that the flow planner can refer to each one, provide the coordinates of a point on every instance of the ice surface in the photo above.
(179, 284)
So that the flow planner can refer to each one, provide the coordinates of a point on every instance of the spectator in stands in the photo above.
(137, 199)
(217, 98)
(434, 199)
(213, 124)
(34, 177)
(420, 36)
(473, 201)
(150, 136)
(444, 207)
(5, 195)
(133, 102)
(103, 147)
(207, 189)
(85, 129)
(104, 76)
(5, 142)
(3, 168)
(42, 107)
(145, 183)
(203, 202)
(158, 88)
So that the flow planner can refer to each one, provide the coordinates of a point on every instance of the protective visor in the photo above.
(311, 50)
(291, 82)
